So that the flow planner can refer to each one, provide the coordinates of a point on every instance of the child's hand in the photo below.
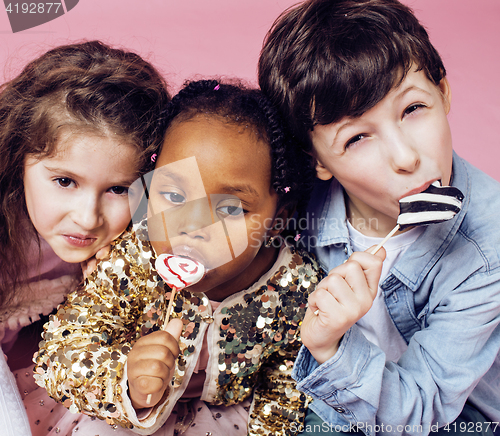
(340, 300)
(89, 265)
(150, 364)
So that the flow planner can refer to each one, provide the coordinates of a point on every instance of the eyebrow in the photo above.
(412, 88)
(244, 189)
(342, 127)
(241, 189)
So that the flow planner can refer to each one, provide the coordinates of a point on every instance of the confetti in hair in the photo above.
(297, 237)
(217, 87)
(287, 189)
(153, 158)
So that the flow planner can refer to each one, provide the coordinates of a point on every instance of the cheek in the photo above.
(118, 217)
(43, 211)
(237, 234)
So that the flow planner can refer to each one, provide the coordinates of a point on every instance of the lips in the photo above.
(421, 188)
(193, 253)
(80, 241)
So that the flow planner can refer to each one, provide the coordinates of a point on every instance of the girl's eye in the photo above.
(412, 108)
(232, 211)
(174, 197)
(64, 182)
(119, 190)
(354, 139)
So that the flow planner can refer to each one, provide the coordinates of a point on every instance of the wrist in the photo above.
(321, 355)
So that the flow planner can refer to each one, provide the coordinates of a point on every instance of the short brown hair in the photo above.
(327, 59)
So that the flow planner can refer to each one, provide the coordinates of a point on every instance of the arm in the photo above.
(445, 360)
(86, 345)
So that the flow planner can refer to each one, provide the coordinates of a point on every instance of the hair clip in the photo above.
(297, 237)
(287, 189)
(153, 158)
(217, 87)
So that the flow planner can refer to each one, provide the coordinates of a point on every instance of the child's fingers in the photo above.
(336, 299)
(362, 271)
(150, 375)
(146, 384)
(154, 360)
(174, 327)
(88, 266)
(150, 364)
(146, 391)
(103, 252)
(161, 338)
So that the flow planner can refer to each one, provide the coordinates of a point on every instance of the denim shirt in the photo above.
(443, 295)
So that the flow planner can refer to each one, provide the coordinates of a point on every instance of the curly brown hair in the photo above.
(88, 86)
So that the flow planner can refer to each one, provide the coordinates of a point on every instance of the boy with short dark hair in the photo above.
(364, 90)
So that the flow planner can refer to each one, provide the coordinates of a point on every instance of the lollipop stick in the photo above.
(379, 246)
(167, 317)
(170, 304)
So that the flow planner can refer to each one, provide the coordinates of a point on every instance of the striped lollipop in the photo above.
(434, 205)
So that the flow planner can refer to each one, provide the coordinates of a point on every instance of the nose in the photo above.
(87, 212)
(404, 154)
(193, 219)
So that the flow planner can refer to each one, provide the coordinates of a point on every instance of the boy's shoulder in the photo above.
(481, 212)
(481, 203)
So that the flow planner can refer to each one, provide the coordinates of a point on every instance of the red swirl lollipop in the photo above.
(178, 272)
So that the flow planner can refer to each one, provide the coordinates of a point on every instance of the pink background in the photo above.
(200, 38)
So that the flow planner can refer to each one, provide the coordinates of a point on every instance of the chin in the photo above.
(73, 257)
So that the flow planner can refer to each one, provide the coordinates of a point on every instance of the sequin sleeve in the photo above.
(277, 407)
(85, 344)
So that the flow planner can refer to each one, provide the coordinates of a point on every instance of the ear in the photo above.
(280, 221)
(445, 88)
(321, 172)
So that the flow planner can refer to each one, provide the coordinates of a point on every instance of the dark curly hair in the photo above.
(236, 103)
(86, 86)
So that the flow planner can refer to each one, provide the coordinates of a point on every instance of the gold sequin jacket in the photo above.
(253, 340)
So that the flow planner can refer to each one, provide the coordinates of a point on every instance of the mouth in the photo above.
(190, 252)
(436, 182)
(80, 241)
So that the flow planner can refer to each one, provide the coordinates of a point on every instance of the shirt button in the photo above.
(345, 250)
(339, 409)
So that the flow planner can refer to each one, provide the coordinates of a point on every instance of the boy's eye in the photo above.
(412, 108)
(119, 190)
(354, 139)
(174, 197)
(64, 182)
